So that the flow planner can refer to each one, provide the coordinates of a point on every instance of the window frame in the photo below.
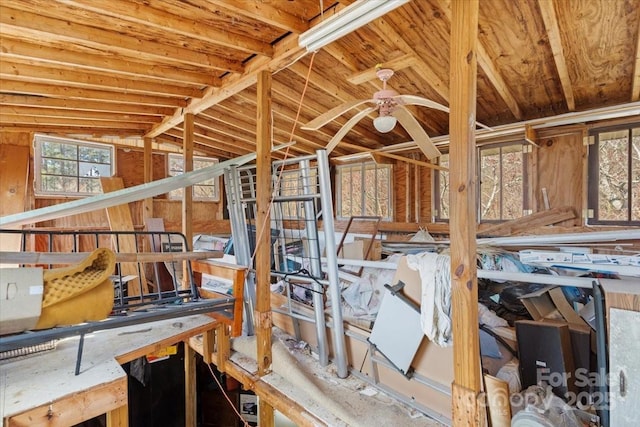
(525, 183)
(437, 177)
(171, 195)
(593, 175)
(40, 139)
(363, 166)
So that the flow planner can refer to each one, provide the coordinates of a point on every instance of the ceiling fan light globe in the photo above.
(384, 124)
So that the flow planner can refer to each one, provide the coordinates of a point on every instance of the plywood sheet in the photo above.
(120, 220)
(14, 164)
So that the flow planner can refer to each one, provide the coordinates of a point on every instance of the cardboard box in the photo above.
(21, 292)
(550, 303)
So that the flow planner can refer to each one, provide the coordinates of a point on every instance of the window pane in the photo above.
(635, 175)
(512, 179)
(443, 187)
(59, 150)
(384, 180)
(345, 192)
(94, 154)
(59, 167)
(59, 184)
(90, 185)
(94, 169)
(370, 187)
(490, 187)
(613, 176)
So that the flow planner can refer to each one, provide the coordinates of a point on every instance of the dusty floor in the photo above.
(340, 402)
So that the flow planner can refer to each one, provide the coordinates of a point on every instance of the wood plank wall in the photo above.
(208, 216)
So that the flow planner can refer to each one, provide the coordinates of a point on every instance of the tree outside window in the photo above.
(614, 176)
(204, 191)
(364, 189)
(501, 188)
(69, 167)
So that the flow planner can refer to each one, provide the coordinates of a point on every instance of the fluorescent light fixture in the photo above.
(347, 20)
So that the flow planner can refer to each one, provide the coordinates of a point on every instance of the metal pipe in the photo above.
(314, 265)
(332, 264)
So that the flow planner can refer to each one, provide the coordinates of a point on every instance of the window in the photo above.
(68, 167)
(290, 183)
(364, 190)
(204, 191)
(441, 185)
(614, 176)
(502, 186)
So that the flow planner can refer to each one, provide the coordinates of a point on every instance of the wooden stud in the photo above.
(190, 389)
(187, 194)
(118, 417)
(147, 204)
(463, 223)
(263, 233)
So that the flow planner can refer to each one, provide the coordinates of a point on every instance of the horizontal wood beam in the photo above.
(60, 28)
(23, 88)
(146, 15)
(82, 105)
(41, 53)
(91, 80)
(263, 11)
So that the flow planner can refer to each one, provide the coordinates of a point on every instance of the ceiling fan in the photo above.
(391, 109)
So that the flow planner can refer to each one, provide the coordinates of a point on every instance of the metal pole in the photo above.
(240, 243)
(314, 264)
(332, 264)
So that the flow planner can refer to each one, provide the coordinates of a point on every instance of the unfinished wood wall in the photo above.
(411, 192)
(208, 216)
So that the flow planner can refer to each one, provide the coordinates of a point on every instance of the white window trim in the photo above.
(37, 163)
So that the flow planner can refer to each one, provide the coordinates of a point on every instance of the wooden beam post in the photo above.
(190, 389)
(147, 211)
(187, 195)
(263, 240)
(463, 223)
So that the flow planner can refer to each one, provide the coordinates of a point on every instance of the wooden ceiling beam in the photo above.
(386, 31)
(22, 88)
(550, 19)
(264, 12)
(17, 23)
(201, 148)
(15, 48)
(60, 76)
(147, 15)
(287, 114)
(55, 122)
(496, 79)
(284, 51)
(493, 74)
(82, 105)
(209, 141)
(70, 130)
(400, 63)
(76, 114)
(312, 106)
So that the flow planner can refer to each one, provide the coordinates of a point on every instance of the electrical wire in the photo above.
(224, 393)
(286, 154)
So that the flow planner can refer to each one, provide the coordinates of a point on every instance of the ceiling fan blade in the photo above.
(416, 132)
(347, 127)
(418, 100)
(325, 118)
(424, 102)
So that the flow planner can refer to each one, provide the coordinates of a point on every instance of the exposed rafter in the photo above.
(266, 13)
(143, 14)
(553, 33)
